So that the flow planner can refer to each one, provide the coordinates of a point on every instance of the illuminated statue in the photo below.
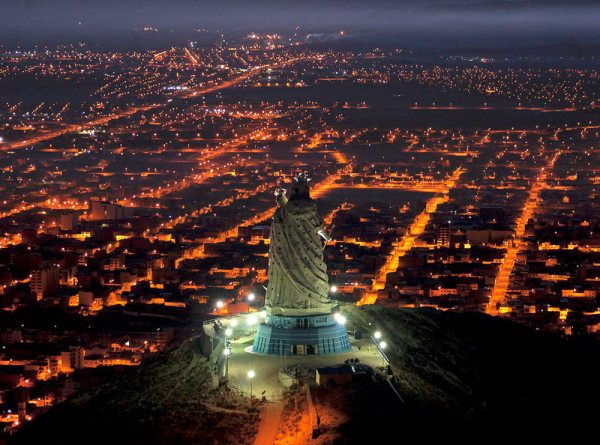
(298, 280)
(299, 317)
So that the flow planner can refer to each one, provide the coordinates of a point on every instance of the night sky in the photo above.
(492, 23)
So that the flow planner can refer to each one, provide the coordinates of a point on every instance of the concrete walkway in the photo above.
(266, 377)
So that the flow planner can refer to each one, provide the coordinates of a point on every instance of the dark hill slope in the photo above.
(168, 400)
(475, 378)
(465, 378)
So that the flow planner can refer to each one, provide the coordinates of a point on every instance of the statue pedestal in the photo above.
(314, 334)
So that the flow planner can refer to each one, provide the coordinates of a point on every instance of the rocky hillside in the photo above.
(465, 378)
(169, 400)
(474, 378)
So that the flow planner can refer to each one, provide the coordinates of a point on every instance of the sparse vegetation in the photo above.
(169, 400)
(469, 376)
(465, 377)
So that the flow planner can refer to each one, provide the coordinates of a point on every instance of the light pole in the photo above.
(227, 353)
(233, 324)
(382, 346)
(376, 337)
(252, 322)
(251, 374)
(339, 318)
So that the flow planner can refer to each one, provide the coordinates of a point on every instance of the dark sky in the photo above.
(537, 20)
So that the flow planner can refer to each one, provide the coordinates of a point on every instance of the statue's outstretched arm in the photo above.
(326, 236)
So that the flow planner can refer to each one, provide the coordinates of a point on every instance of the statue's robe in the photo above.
(297, 272)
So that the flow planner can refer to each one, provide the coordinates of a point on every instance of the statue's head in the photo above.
(300, 189)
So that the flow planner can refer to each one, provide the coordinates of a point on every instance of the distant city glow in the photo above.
(154, 186)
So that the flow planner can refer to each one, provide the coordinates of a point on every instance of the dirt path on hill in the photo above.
(270, 419)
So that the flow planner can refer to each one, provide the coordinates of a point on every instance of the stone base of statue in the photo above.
(294, 332)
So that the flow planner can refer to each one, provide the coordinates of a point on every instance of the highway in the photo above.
(530, 207)
(408, 240)
(71, 128)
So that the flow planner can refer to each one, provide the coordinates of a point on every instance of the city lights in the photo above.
(308, 201)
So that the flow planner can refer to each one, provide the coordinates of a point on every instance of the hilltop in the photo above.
(463, 376)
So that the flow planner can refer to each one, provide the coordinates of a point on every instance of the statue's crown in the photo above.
(300, 187)
(301, 177)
